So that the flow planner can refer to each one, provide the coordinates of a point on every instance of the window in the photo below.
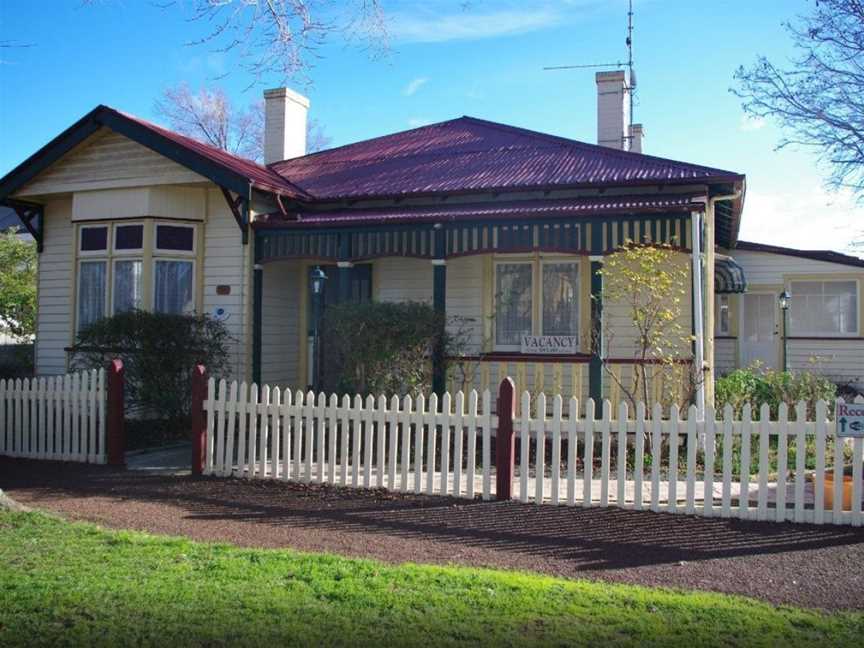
(823, 308)
(91, 292)
(515, 296)
(560, 299)
(93, 240)
(127, 285)
(175, 238)
(721, 315)
(116, 275)
(128, 238)
(174, 287)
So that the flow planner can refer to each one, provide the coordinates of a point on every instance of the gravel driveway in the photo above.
(804, 565)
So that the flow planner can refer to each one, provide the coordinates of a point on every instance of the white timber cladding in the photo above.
(55, 289)
(464, 298)
(107, 160)
(725, 356)
(841, 361)
(188, 203)
(280, 308)
(837, 359)
(227, 262)
(401, 279)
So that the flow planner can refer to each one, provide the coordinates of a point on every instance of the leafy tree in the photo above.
(209, 116)
(18, 262)
(650, 284)
(816, 97)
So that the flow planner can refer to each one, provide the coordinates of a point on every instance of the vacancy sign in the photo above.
(850, 419)
(552, 344)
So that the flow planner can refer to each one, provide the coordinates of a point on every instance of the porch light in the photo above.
(318, 279)
(783, 299)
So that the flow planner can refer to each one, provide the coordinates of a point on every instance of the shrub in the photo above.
(158, 351)
(756, 387)
(380, 347)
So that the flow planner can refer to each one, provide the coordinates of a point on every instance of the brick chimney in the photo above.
(284, 124)
(613, 109)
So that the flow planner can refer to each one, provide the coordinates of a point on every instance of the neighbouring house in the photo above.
(822, 328)
(504, 227)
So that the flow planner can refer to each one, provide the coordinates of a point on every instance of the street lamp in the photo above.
(317, 279)
(784, 299)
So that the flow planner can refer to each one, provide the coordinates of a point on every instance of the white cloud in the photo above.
(414, 85)
(416, 122)
(806, 218)
(435, 27)
(751, 123)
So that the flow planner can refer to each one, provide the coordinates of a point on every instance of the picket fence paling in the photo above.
(56, 418)
(765, 469)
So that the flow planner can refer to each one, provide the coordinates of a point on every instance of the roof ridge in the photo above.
(566, 141)
(362, 141)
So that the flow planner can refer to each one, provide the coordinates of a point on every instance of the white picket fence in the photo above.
(59, 417)
(562, 456)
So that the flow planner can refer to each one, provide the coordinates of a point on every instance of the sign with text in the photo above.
(550, 344)
(850, 419)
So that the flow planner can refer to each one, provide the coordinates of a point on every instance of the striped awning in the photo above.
(728, 275)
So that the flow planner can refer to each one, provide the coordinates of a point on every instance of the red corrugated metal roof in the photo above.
(589, 206)
(469, 154)
(260, 176)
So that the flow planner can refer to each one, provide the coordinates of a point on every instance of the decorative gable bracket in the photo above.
(32, 216)
(239, 207)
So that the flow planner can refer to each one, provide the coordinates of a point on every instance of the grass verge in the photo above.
(75, 584)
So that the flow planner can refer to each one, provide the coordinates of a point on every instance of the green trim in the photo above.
(595, 366)
(257, 295)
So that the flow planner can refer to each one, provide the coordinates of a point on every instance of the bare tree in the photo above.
(279, 39)
(817, 96)
(209, 116)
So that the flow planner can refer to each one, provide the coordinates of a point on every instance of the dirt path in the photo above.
(805, 565)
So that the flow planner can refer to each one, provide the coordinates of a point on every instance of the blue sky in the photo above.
(446, 61)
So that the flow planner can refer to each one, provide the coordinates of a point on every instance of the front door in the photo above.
(757, 341)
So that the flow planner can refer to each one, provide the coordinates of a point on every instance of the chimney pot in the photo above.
(637, 133)
(285, 114)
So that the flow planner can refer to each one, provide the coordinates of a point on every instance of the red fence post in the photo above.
(505, 444)
(115, 424)
(199, 419)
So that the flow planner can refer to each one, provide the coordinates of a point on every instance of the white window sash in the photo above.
(796, 329)
(175, 253)
(129, 251)
(94, 253)
(530, 264)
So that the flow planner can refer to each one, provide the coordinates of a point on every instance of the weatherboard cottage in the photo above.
(504, 227)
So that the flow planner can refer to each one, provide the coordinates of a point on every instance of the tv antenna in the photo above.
(618, 64)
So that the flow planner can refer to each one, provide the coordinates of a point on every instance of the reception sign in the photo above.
(850, 419)
(550, 344)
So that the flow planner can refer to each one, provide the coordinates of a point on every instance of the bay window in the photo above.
(823, 308)
(557, 293)
(126, 266)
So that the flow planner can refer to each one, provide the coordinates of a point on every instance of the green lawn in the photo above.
(63, 583)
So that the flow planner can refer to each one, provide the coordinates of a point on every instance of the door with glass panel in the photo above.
(757, 341)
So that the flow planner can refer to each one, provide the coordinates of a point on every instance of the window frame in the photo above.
(496, 264)
(154, 287)
(537, 263)
(113, 292)
(827, 334)
(157, 251)
(106, 291)
(94, 253)
(553, 261)
(127, 252)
